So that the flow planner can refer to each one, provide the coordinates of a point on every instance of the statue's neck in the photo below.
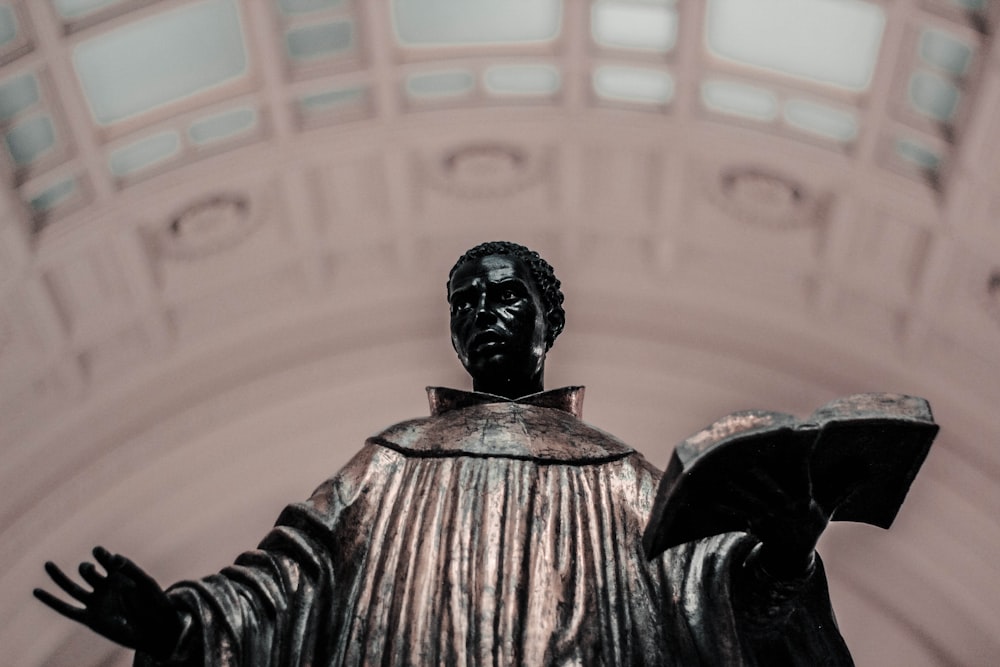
(510, 387)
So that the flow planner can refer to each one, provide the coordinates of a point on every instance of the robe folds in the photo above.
(493, 532)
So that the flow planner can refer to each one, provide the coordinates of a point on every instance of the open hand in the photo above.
(125, 604)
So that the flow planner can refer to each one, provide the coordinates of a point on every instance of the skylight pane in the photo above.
(972, 5)
(822, 120)
(319, 41)
(917, 154)
(161, 59)
(739, 99)
(54, 195)
(17, 94)
(30, 139)
(8, 24)
(522, 79)
(332, 99)
(72, 9)
(291, 7)
(634, 26)
(222, 126)
(943, 51)
(633, 84)
(933, 95)
(145, 153)
(440, 84)
(829, 41)
(420, 23)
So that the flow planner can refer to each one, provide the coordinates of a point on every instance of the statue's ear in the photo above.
(556, 320)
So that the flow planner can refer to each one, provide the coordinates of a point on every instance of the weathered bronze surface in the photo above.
(499, 530)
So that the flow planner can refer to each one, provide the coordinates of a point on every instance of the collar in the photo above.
(567, 399)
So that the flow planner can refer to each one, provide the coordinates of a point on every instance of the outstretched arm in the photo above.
(125, 604)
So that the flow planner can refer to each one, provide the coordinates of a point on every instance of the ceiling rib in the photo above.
(269, 61)
(575, 61)
(73, 106)
(878, 97)
(394, 160)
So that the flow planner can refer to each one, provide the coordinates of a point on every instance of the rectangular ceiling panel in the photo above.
(828, 41)
(161, 59)
(475, 22)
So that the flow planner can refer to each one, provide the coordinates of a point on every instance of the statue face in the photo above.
(498, 324)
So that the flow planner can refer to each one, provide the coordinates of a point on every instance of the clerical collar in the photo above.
(567, 399)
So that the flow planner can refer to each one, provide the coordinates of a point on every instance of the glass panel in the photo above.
(8, 24)
(330, 99)
(739, 99)
(30, 139)
(145, 153)
(17, 94)
(633, 84)
(52, 196)
(223, 125)
(828, 41)
(318, 41)
(634, 26)
(439, 84)
(972, 5)
(822, 120)
(475, 22)
(945, 52)
(290, 7)
(522, 79)
(152, 62)
(917, 153)
(933, 95)
(72, 9)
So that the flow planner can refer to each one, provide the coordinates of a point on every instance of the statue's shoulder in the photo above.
(508, 430)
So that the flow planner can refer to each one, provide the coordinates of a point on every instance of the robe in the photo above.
(494, 532)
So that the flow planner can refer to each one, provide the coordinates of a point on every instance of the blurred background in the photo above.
(226, 228)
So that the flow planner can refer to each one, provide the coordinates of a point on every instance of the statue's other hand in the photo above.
(781, 513)
(125, 604)
(788, 537)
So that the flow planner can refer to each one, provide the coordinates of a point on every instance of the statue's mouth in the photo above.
(487, 339)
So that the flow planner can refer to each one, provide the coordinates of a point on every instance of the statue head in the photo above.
(506, 311)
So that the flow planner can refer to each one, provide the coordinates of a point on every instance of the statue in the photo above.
(502, 529)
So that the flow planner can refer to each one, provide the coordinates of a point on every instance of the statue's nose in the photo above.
(484, 311)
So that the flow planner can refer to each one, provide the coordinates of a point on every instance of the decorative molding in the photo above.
(763, 197)
(208, 226)
(486, 169)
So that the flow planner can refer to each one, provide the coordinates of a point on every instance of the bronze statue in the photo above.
(502, 529)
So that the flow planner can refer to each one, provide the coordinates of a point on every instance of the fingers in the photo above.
(90, 574)
(116, 563)
(61, 607)
(65, 583)
(107, 560)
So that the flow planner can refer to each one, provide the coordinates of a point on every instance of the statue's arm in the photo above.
(124, 604)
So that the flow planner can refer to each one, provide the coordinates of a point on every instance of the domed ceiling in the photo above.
(227, 225)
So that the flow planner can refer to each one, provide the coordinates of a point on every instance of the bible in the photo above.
(855, 456)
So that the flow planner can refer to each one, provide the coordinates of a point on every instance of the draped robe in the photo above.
(493, 532)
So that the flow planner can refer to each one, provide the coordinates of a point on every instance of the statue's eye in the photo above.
(509, 296)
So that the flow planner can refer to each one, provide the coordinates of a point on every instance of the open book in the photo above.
(856, 457)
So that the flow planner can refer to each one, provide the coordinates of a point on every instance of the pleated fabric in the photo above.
(405, 558)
